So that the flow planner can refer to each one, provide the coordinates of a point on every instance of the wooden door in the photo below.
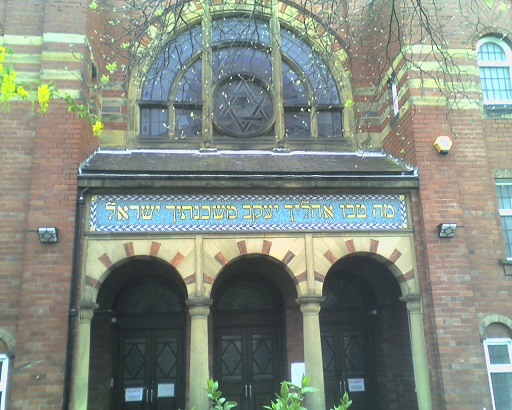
(348, 366)
(248, 365)
(149, 373)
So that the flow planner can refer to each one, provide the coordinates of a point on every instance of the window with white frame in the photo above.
(394, 96)
(505, 208)
(4, 368)
(498, 355)
(495, 63)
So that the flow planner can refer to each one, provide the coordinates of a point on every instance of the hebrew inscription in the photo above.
(180, 213)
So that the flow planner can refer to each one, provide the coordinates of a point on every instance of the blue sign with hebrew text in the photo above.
(213, 213)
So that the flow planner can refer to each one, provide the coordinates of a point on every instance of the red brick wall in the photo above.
(40, 158)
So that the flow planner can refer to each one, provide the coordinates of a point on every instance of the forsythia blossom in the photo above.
(97, 128)
(43, 96)
(22, 92)
(8, 88)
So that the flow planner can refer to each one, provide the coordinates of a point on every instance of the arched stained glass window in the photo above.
(495, 62)
(236, 73)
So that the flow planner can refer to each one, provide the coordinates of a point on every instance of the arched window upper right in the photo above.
(495, 63)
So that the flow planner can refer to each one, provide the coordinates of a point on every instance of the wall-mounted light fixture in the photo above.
(443, 144)
(48, 234)
(446, 230)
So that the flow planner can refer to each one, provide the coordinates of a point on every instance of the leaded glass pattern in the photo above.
(134, 361)
(340, 294)
(354, 352)
(328, 353)
(231, 360)
(494, 60)
(243, 90)
(262, 357)
(166, 358)
(245, 295)
(150, 298)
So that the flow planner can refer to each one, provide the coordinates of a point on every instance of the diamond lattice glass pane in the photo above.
(354, 353)
(262, 356)
(166, 358)
(134, 359)
(502, 389)
(231, 368)
(328, 356)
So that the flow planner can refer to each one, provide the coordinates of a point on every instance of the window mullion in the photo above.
(277, 74)
(207, 76)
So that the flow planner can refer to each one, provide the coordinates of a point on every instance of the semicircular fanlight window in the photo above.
(150, 298)
(246, 295)
(340, 294)
(236, 74)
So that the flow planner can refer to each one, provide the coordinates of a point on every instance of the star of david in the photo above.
(243, 107)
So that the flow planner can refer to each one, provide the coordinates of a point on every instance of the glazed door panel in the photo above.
(347, 366)
(149, 369)
(248, 368)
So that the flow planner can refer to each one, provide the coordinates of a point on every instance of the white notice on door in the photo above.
(166, 390)
(133, 394)
(355, 385)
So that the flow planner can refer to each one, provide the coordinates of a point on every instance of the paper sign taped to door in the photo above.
(298, 372)
(356, 385)
(166, 390)
(133, 394)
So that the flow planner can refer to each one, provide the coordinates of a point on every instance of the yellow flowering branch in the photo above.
(10, 88)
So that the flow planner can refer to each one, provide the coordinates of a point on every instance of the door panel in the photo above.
(347, 366)
(248, 369)
(148, 370)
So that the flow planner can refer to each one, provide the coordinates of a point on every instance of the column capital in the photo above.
(87, 311)
(199, 307)
(310, 305)
(412, 302)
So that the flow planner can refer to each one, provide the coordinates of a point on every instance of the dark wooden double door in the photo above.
(150, 370)
(348, 365)
(248, 364)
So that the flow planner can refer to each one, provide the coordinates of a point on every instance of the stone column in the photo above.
(81, 384)
(419, 352)
(310, 308)
(199, 309)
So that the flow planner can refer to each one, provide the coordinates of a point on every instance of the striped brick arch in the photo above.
(289, 252)
(296, 253)
(104, 256)
(395, 252)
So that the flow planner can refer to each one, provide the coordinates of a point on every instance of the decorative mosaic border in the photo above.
(234, 213)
